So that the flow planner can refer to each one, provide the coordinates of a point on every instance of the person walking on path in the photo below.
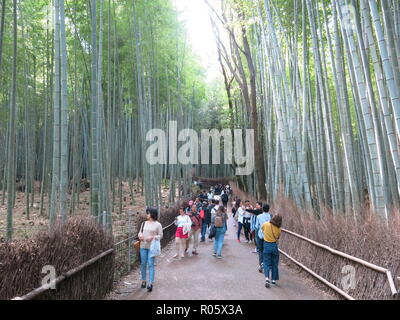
(241, 216)
(206, 220)
(195, 231)
(234, 211)
(210, 210)
(255, 212)
(272, 232)
(150, 230)
(246, 221)
(215, 208)
(225, 199)
(259, 235)
(203, 195)
(233, 215)
(183, 224)
(198, 203)
(220, 222)
(189, 207)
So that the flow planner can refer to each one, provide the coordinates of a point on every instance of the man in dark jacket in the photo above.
(207, 219)
(225, 199)
(195, 231)
(203, 196)
(256, 212)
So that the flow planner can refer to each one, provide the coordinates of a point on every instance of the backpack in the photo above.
(202, 214)
(197, 218)
(219, 220)
(225, 197)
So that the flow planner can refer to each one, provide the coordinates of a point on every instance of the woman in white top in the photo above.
(183, 223)
(149, 231)
(210, 195)
(246, 220)
(241, 211)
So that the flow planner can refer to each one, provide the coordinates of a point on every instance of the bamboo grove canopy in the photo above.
(82, 82)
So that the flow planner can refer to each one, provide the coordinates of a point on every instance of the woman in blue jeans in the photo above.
(149, 231)
(220, 231)
(272, 232)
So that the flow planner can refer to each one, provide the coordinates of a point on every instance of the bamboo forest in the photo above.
(315, 82)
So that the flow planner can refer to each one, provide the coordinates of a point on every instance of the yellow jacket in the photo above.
(271, 232)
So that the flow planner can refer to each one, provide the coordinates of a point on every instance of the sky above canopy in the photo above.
(195, 15)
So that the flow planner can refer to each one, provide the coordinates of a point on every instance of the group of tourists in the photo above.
(207, 214)
(202, 216)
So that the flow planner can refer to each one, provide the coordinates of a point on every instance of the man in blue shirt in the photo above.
(261, 219)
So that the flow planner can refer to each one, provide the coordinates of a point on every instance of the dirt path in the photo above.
(235, 277)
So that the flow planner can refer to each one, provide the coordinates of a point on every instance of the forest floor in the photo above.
(25, 228)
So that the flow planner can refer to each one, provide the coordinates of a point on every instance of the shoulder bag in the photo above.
(213, 232)
(137, 242)
(155, 248)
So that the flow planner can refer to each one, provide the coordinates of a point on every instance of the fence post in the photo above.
(130, 216)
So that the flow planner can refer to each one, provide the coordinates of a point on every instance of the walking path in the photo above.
(203, 277)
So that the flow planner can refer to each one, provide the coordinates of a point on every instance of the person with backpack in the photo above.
(205, 215)
(183, 224)
(149, 231)
(219, 221)
(195, 231)
(225, 199)
(259, 235)
(272, 232)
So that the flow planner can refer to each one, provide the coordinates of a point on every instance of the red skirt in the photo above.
(179, 233)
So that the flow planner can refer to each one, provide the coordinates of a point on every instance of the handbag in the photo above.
(186, 228)
(213, 232)
(155, 248)
(136, 244)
